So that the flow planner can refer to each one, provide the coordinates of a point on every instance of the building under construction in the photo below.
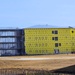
(11, 42)
(37, 41)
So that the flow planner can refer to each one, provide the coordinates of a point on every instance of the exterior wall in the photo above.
(49, 40)
(72, 31)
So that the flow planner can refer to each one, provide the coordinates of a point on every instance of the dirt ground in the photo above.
(38, 62)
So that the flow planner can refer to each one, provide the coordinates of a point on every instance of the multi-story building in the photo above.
(49, 40)
(11, 42)
(37, 41)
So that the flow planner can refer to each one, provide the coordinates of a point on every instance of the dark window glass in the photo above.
(56, 32)
(52, 38)
(56, 44)
(56, 38)
(52, 32)
(72, 31)
(59, 44)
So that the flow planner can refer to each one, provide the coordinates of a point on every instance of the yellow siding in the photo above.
(39, 40)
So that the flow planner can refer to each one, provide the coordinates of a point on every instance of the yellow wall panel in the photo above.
(43, 40)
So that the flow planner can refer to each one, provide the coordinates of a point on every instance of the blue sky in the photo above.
(26, 13)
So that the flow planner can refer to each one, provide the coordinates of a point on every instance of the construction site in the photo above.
(37, 51)
(36, 41)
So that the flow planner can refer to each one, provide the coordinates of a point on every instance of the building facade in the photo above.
(32, 41)
(49, 40)
(11, 42)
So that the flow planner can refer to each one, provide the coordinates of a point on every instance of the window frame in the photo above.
(56, 44)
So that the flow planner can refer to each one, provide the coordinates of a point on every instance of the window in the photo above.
(72, 31)
(56, 44)
(52, 38)
(59, 44)
(56, 38)
(55, 32)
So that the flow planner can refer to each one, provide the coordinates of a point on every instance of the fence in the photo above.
(28, 72)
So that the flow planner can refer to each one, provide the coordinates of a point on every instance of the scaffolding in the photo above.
(11, 42)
